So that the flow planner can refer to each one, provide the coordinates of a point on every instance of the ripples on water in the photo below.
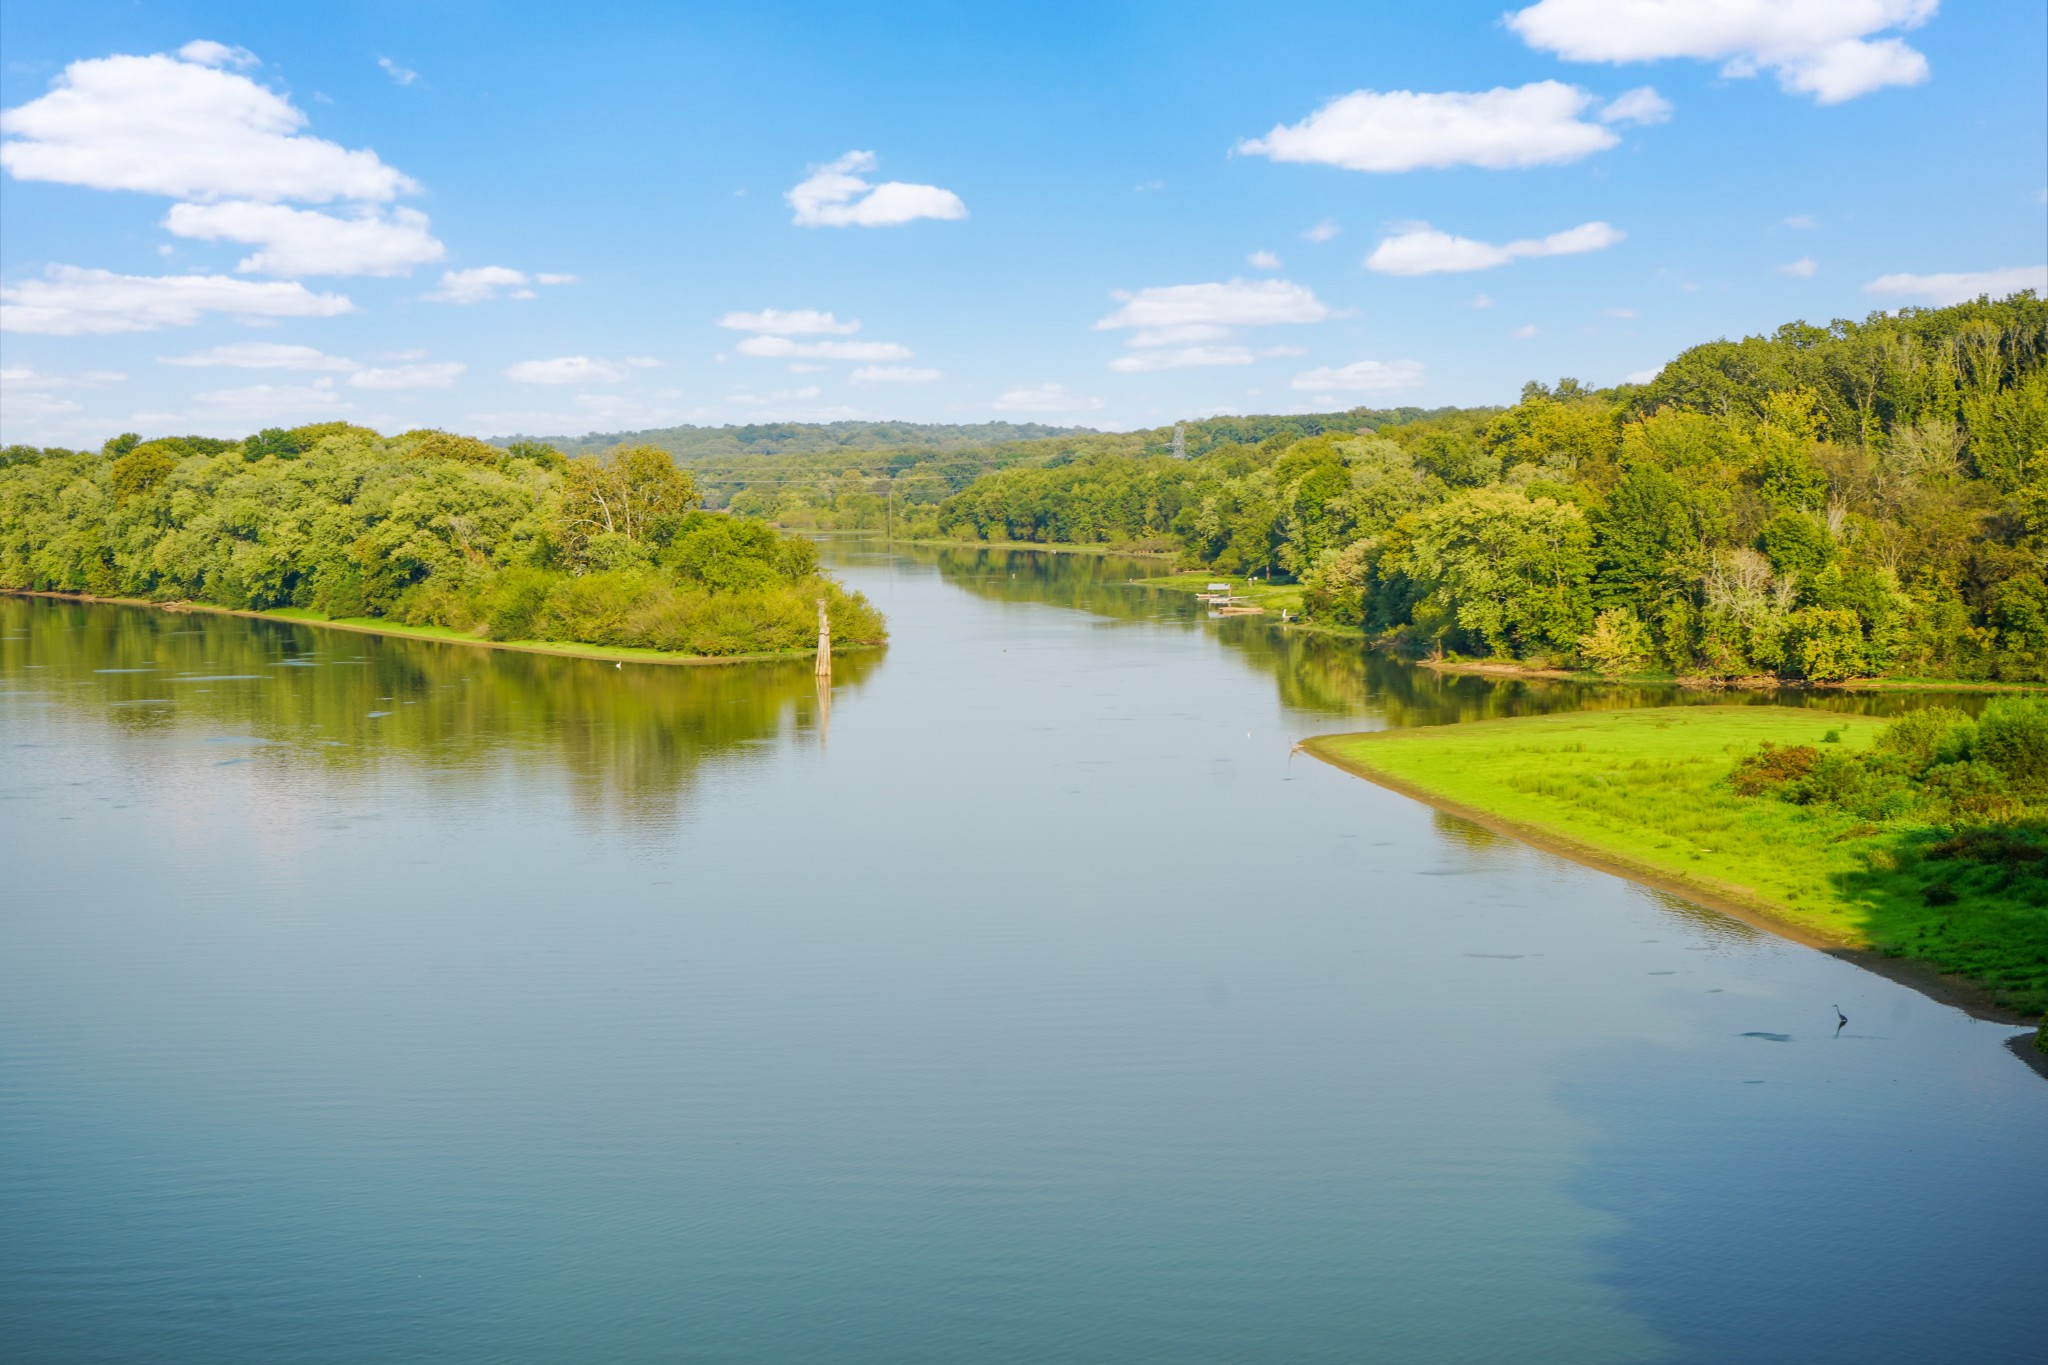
(366, 998)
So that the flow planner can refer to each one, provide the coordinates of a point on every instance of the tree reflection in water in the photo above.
(1340, 676)
(629, 740)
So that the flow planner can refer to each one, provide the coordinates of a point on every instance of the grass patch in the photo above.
(1648, 790)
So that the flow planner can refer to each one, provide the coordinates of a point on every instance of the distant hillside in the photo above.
(804, 438)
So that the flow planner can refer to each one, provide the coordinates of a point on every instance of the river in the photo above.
(371, 999)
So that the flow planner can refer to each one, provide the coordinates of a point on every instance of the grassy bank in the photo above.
(371, 625)
(1645, 793)
(1274, 597)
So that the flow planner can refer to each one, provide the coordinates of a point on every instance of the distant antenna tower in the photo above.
(1180, 442)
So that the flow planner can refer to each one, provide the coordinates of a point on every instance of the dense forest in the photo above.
(1821, 503)
(861, 490)
(688, 443)
(426, 528)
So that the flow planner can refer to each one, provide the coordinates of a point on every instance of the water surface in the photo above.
(377, 999)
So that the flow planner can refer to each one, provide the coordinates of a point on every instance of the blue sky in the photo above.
(542, 218)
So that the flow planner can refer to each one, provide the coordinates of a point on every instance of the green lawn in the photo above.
(1645, 790)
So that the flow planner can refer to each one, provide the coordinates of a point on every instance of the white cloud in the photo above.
(208, 53)
(790, 322)
(480, 284)
(568, 369)
(1642, 376)
(1180, 334)
(441, 375)
(305, 242)
(1263, 260)
(1526, 332)
(184, 128)
(800, 366)
(1361, 376)
(834, 196)
(1940, 290)
(1803, 222)
(1044, 398)
(267, 404)
(1805, 268)
(1642, 105)
(643, 362)
(1623, 314)
(1322, 232)
(27, 397)
(893, 374)
(781, 348)
(1402, 130)
(396, 72)
(1423, 250)
(262, 355)
(1822, 48)
(1237, 303)
(31, 393)
(1188, 357)
(72, 301)
(1482, 301)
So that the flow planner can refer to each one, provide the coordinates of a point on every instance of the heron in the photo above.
(1841, 1019)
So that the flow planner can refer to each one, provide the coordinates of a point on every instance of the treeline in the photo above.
(689, 443)
(900, 487)
(426, 528)
(1822, 503)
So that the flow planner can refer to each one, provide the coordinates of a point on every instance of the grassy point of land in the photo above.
(372, 625)
(1644, 793)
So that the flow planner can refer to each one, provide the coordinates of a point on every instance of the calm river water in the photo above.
(364, 999)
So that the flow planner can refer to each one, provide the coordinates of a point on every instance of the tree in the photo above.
(626, 493)
(1510, 569)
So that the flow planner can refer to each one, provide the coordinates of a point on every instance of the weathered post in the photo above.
(824, 669)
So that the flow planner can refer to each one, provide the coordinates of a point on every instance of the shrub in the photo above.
(1771, 767)
(1618, 643)
(2012, 736)
(1935, 734)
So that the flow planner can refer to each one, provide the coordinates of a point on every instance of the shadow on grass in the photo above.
(1972, 901)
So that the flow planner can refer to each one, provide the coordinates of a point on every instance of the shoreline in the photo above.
(1737, 902)
(1027, 545)
(1762, 683)
(446, 636)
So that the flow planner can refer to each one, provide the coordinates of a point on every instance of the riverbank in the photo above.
(1766, 682)
(1273, 597)
(1642, 793)
(367, 625)
(1136, 552)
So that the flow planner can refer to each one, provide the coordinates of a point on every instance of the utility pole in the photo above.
(824, 668)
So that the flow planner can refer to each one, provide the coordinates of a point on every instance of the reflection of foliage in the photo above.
(1327, 674)
(630, 739)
